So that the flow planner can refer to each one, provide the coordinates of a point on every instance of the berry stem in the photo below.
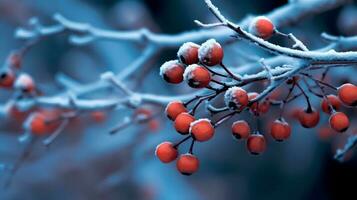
(182, 141)
(309, 108)
(320, 82)
(214, 72)
(223, 119)
(230, 73)
(191, 146)
(285, 101)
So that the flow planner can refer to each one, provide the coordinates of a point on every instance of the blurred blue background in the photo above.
(87, 163)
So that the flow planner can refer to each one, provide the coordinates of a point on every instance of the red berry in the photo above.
(197, 76)
(172, 71)
(293, 80)
(166, 152)
(258, 108)
(210, 53)
(202, 130)
(187, 164)
(325, 132)
(25, 83)
(14, 60)
(280, 130)
(241, 129)
(236, 98)
(7, 78)
(347, 93)
(98, 116)
(188, 53)
(182, 123)
(262, 27)
(339, 121)
(309, 118)
(256, 144)
(174, 108)
(39, 123)
(333, 100)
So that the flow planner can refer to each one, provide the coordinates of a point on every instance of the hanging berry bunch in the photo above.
(201, 67)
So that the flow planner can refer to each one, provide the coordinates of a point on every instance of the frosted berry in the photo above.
(241, 129)
(333, 100)
(25, 83)
(174, 108)
(172, 71)
(187, 164)
(197, 76)
(309, 118)
(210, 53)
(236, 98)
(256, 144)
(262, 27)
(166, 152)
(14, 60)
(7, 78)
(39, 123)
(182, 123)
(202, 130)
(188, 53)
(258, 107)
(280, 130)
(347, 93)
(339, 121)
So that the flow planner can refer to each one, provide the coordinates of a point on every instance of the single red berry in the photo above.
(264, 106)
(7, 78)
(182, 123)
(333, 100)
(309, 118)
(15, 113)
(258, 107)
(325, 132)
(293, 80)
(210, 53)
(39, 123)
(14, 60)
(256, 144)
(197, 76)
(187, 164)
(25, 83)
(347, 93)
(174, 108)
(188, 53)
(280, 130)
(262, 27)
(154, 125)
(236, 98)
(339, 121)
(241, 129)
(202, 130)
(98, 116)
(172, 71)
(166, 152)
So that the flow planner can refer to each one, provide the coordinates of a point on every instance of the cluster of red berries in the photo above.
(191, 64)
(194, 66)
(11, 78)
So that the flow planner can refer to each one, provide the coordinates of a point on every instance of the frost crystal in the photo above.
(185, 49)
(198, 121)
(167, 66)
(230, 97)
(205, 51)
